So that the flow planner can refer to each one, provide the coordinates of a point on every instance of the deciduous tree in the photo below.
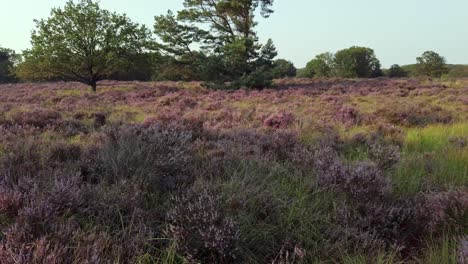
(431, 64)
(357, 62)
(321, 66)
(82, 42)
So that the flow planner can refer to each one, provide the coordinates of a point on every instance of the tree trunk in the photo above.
(93, 86)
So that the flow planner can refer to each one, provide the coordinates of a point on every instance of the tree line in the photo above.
(213, 41)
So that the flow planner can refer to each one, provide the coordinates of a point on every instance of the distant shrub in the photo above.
(200, 229)
(283, 68)
(418, 116)
(280, 120)
(396, 71)
(349, 116)
(39, 118)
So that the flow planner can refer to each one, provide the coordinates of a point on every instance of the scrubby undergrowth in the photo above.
(315, 171)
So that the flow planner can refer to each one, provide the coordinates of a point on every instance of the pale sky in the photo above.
(398, 30)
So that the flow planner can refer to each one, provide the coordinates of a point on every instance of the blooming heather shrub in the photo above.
(70, 128)
(365, 181)
(463, 251)
(392, 224)
(417, 116)
(39, 118)
(220, 149)
(154, 156)
(385, 155)
(100, 120)
(21, 159)
(330, 170)
(459, 142)
(346, 236)
(289, 254)
(200, 229)
(359, 181)
(282, 119)
(446, 209)
(349, 116)
(63, 152)
(10, 201)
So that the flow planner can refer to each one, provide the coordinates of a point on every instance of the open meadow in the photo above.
(309, 171)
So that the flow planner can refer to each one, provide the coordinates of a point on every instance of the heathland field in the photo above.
(309, 171)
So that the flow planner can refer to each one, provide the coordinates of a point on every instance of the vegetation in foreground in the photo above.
(314, 171)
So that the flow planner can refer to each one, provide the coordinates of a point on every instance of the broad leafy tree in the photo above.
(321, 66)
(223, 32)
(431, 64)
(83, 43)
(357, 62)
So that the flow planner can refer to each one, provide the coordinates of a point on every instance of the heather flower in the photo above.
(446, 209)
(348, 115)
(200, 229)
(385, 155)
(290, 253)
(280, 120)
(463, 251)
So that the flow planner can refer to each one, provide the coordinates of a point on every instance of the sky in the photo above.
(398, 30)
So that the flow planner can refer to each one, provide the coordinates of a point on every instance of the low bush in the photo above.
(200, 229)
(157, 157)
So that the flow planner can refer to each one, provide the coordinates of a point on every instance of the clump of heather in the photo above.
(100, 120)
(385, 155)
(10, 201)
(349, 116)
(360, 181)
(463, 251)
(200, 229)
(21, 158)
(290, 253)
(40, 118)
(417, 116)
(64, 152)
(280, 120)
(446, 210)
(155, 156)
(459, 142)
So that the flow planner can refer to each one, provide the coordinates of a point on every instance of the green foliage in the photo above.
(230, 46)
(283, 68)
(458, 71)
(321, 66)
(7, 62)
(82, 42)
(431, 64)
(396, 71)
(357, 62)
